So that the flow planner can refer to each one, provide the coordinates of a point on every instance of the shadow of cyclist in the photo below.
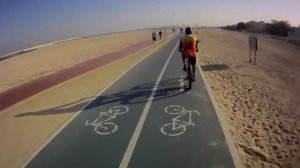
(140, 94)
(135, 95)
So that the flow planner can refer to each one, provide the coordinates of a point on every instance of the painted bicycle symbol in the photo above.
(103, 124)
(180, 123)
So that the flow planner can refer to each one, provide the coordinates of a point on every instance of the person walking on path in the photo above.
(153, 37)
(160, 33)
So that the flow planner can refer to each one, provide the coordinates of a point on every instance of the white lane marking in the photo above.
(138, 129)
(181, 82)
(102, 124)
(43, 145)
(180, 122)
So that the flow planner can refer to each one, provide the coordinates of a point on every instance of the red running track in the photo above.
(19, 93)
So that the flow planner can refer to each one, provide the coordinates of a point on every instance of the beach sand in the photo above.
(51, 58)
(259, 103)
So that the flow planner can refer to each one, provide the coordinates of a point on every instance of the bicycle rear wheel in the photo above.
(190, 78)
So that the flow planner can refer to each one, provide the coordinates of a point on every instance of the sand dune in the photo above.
(51, 58)
(260, 103)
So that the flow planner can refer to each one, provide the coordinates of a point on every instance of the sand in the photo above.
(259, 103)
(51, 58)
(26, 126)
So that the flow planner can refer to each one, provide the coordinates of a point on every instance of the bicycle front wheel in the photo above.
(106, 128)
(168, 129)
(174, 109)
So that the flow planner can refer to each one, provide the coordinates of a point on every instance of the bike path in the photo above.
(78, 145)
(185, 145)
(202, 145)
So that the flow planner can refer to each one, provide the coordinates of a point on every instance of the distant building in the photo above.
(294, 36)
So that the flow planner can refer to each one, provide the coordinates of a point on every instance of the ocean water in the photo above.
(16, 46)
(11, 46)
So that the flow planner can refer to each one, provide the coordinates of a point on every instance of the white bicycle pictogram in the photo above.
(103, 124)
(180, 123)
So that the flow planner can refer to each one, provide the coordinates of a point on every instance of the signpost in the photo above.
(253, 47)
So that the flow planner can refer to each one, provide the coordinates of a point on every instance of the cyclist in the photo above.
(188, 47)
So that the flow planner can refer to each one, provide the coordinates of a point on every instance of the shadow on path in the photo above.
(66, 108)
(138, 94)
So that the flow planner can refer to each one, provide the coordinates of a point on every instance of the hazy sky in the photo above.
(24, 23)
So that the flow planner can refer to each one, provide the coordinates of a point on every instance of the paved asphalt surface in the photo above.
(145, 119)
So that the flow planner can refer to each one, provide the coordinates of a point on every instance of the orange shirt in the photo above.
(189, 43)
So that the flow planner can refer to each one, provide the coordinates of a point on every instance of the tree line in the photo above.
(275, 27)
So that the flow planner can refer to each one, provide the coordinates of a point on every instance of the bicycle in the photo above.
(102, 123)
(189, 76)
(187, 62)
(178, 125)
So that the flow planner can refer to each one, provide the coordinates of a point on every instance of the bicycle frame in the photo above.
(176, 121)
(179, 123)
(95, 122)
(102, 123)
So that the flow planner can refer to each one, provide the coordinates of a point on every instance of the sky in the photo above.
(26, 23)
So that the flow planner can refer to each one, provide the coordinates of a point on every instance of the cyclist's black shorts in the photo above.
(192, 60)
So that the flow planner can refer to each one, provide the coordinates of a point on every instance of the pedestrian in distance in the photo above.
(160, 33)
(153, 37)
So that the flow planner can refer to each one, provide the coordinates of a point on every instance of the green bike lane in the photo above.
(192, 138)
(80, 144)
